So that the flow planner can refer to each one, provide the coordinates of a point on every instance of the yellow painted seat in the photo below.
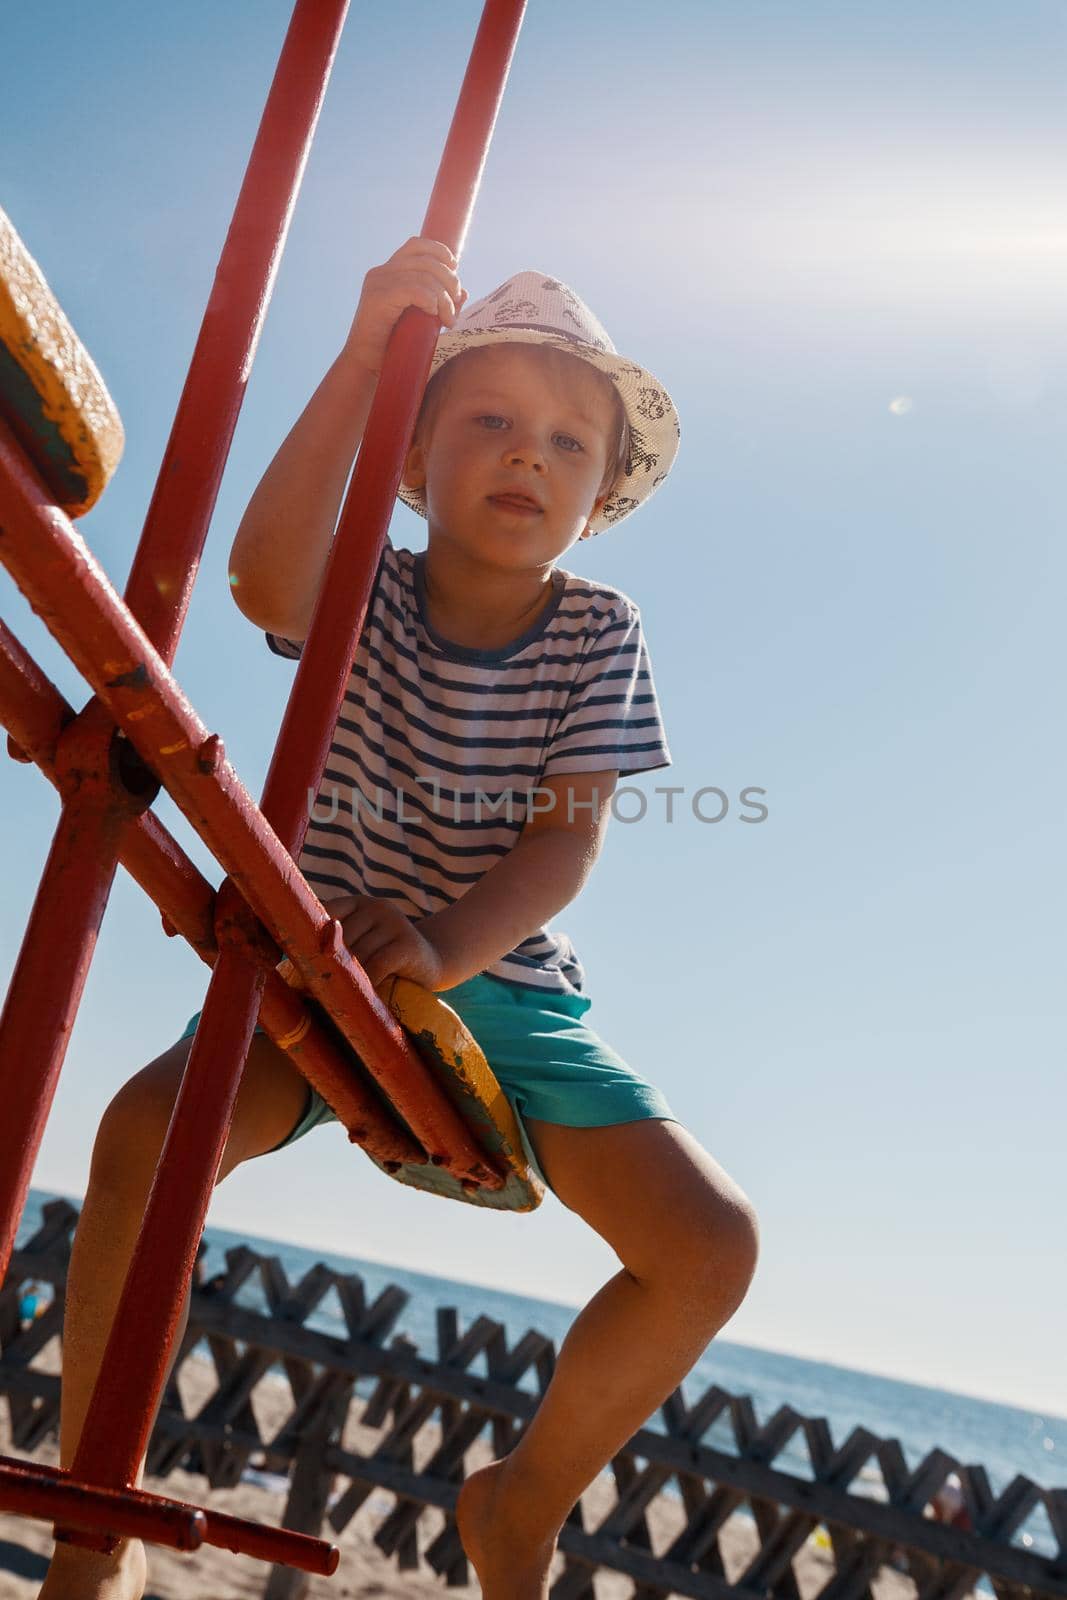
(51, 394)
(453, 1053)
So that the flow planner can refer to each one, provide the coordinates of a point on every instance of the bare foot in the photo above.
(77, 1574)
(512, 1563)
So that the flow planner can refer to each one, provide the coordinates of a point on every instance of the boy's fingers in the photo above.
(355, 935)
(386, 960)
(430, 251)
(440, 261)
(357, 924)
(370, 945)
(440, 280)
(433, 247)
(435, 291)
(342, 906)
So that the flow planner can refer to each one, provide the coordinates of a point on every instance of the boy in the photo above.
(495, 700)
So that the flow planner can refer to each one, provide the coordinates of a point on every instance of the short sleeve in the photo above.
(292, 649)
(283, 647)
(612, 719)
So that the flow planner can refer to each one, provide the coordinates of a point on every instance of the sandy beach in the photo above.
(364, 1570)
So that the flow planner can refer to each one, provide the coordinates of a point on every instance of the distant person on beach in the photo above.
(495, 701)
(33, 1302)
(949, 1506)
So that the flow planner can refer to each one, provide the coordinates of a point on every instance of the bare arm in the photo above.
(540, 875)
(279, 554)
(280, 551)
(537, 878)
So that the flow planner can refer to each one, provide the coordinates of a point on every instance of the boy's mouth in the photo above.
(522, 503)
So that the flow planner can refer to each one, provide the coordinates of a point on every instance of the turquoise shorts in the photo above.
(548, 1061)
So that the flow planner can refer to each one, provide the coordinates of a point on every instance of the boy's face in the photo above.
(513, 465)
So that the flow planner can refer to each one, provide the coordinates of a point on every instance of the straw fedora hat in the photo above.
(532, 308)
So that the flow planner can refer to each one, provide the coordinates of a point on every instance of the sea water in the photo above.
(1005, 1440)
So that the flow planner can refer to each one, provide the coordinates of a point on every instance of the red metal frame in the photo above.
(35, 713)
(265, 906)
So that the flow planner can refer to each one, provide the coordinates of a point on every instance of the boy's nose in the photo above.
(526, 453)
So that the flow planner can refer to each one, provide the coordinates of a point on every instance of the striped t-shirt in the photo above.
(439, 748)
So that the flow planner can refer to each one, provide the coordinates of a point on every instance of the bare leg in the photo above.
(269, 1104)
(687, 1238)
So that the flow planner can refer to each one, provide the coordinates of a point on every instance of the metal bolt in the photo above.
(211, 754)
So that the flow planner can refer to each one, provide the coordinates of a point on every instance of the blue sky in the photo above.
(838, 235)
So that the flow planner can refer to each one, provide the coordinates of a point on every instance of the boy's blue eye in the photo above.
(495, 423)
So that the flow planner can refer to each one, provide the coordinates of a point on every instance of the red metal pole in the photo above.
(134, 1367)
(34, 1491)
(165, 566)
(322, 676)
(49, 978)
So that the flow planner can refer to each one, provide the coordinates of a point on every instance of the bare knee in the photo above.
(731, 1250)
(270, 1099)
(712, 1256)
(134, 1126)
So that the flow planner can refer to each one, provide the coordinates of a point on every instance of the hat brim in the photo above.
(650, 412)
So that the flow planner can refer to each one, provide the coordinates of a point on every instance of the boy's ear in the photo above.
(413, 475)
(601, 500)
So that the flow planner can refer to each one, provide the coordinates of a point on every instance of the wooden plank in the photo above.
(311, 1486)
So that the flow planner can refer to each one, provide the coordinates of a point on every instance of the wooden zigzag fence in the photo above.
(329, 1479)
